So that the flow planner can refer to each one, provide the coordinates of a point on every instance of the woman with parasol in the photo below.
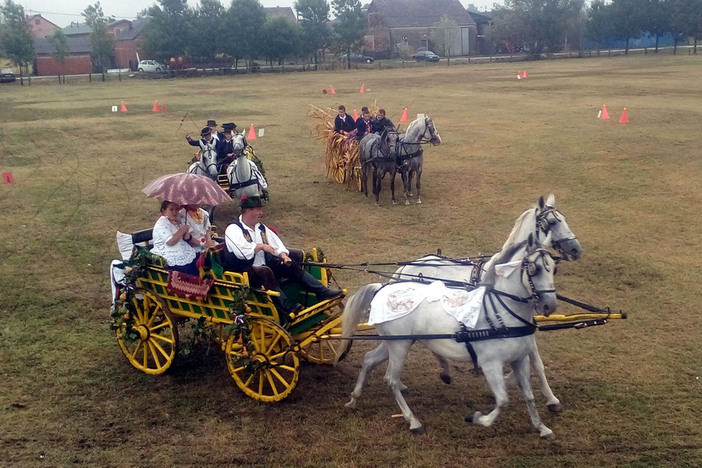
(173, 240)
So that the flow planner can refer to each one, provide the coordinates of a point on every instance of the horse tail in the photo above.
(355, 307)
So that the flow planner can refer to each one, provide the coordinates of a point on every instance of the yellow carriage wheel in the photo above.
(268, 370)
(149, 339)
(324, 351)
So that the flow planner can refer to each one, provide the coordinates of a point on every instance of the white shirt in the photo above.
(198, 230)
(244, 250)
(179, 254)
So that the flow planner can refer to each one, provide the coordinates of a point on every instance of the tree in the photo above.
(597, 25)
(687, 19)
(59, 41)
(100, 40)
(627, 19)
(245, 20)
(314, 18)
(209, 28)
(350, 25)
(537, 26)
(169, 31)
(281, 39)
(15, 38)
(445, 34)
(657, 18)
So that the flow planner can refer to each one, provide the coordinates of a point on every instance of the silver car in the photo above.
(150, 66)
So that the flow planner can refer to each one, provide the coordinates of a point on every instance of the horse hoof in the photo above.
(555, 408)
(394, 202)
(549, 436)
(419, 202)
(418, 431)
(473, 417)
(446, 378)
(351, 404)
(407, 202)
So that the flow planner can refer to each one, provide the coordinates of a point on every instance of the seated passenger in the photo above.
(173, 241)
(255, 249)
(363, 124)
(343, 123)
(199, 220)
(381, 122)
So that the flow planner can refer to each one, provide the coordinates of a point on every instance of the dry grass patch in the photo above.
(630, 192)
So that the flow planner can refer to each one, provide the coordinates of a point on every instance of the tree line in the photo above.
(244, 32)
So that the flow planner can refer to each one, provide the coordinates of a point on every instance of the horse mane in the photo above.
(504, 256)
(527, 221)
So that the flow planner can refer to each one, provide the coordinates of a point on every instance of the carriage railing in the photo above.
(217, 308)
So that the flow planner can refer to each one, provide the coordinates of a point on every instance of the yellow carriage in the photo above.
(262, 347)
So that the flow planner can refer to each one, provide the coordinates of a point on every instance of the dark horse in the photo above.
(379, 151)
(410, 155)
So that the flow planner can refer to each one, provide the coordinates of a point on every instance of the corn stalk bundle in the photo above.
(342, 154)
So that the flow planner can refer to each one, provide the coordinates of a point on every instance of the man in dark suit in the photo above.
(343, 123)
(363, 124)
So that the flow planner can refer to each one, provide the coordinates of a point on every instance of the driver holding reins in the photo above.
(252, 247)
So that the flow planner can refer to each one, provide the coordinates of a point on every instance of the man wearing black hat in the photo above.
(213, 128)
(254, 248)
(207, 144)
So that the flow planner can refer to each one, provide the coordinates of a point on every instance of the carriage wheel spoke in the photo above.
(160, 325)
(165, 339)
(273, 343)
(154, 354)
(159, 348)
(277, 375)
(274, 389)
(136, 349)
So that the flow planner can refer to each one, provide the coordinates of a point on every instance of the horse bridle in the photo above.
(530, 268)
(544, 227)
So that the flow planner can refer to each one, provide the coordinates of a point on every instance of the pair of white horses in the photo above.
(241, 173)
(511, 300)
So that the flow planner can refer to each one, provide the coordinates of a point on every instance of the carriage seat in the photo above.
(144, 236)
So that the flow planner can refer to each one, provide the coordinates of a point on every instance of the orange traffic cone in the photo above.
(624, 118)
(525, 74)
(252, 133)
(404, 116)
(331, 89)
(604, 115)
(122, 107)
(355, 115)
(155, 109)
(363, 88)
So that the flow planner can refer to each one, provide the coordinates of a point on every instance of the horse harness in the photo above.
(238, 185)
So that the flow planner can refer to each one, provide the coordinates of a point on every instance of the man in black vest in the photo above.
(252, 247)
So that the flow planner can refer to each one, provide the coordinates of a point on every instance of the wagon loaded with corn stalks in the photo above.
(342, 157)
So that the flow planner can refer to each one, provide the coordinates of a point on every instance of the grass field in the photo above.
(631, 192)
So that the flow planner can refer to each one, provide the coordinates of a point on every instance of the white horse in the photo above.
(243, 175)
(547, 225)
(207, 164)
(519, 283)
(410, 155)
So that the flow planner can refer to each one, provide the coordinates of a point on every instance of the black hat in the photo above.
(229, 126)
(205, 131)
(253, 201)
(211, 122)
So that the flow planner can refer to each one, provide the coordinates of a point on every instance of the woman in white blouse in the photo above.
(199, 220)
(173, 240)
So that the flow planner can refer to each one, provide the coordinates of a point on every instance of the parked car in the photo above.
(358, 58)
(426, 56)
(150, 66)
(7, 75)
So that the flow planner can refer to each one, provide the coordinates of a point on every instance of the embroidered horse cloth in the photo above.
(190, 286)
(396, 300)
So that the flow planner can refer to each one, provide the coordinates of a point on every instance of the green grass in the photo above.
(630, 192)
